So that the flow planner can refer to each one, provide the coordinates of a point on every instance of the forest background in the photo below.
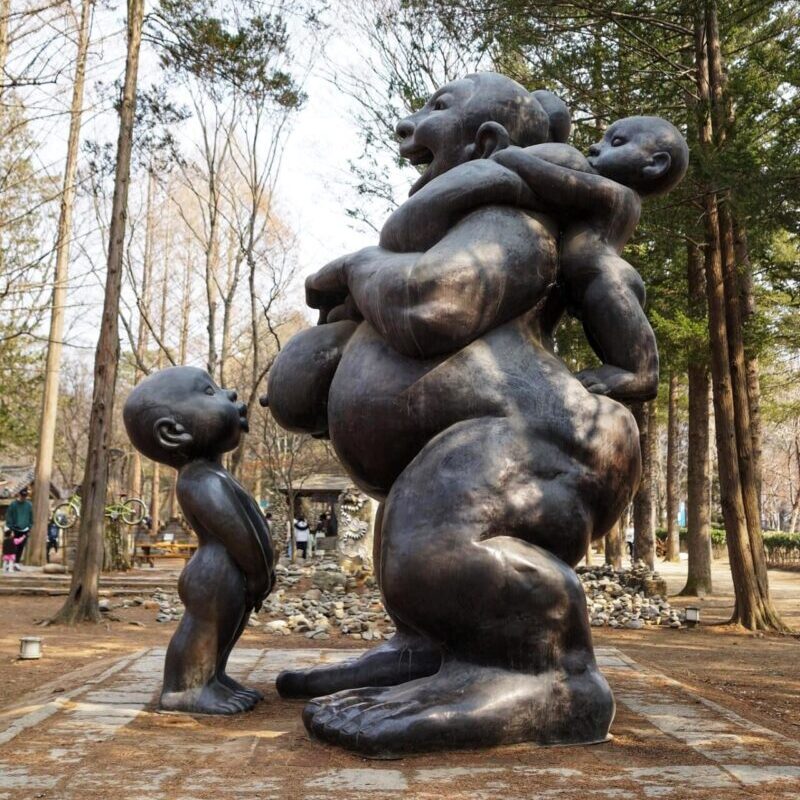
(198, 254)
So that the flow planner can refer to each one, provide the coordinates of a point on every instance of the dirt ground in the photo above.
(754, 675)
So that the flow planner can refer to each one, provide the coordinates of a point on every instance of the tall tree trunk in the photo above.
(748, 308)
(47, 428)
(643, 532)
(135, 484)
(754, 608)
(81, 603)
(673, 541)
(155, 505)
(698, 498)
(613, 546)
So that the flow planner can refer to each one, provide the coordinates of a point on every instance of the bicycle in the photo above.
(131, 510)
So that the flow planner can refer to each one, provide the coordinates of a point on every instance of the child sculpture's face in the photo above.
(212, 415)
(630, 153)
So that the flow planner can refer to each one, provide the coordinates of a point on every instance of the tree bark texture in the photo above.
(81, 604)
(754, 609)
(613, 546)
(698, 528)
(643, 530)
(673, 541)
(47, 429)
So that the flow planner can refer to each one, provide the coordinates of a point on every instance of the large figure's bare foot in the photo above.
(465, 706)
(213, 698)
(403, 658)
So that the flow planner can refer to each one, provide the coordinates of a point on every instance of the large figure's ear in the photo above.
(658, 167)
(170, 434)
(558, 113)
(490, 138)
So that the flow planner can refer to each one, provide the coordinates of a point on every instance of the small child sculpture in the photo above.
(181, 418)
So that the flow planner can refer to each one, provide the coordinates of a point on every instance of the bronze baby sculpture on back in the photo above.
(432, 372)
(181, 418)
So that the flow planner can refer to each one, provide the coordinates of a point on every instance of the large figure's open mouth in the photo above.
(418, 156)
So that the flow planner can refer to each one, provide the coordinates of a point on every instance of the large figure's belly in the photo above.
(384, 407)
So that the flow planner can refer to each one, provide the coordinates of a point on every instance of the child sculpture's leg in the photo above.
(406, 656)
(460, 566)
(213, 593)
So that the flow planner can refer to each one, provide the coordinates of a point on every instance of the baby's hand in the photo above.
(619, 384)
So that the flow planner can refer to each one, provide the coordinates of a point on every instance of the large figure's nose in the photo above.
(232, 395)
(404, 128)
(594, 150)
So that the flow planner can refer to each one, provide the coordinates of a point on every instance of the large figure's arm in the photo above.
(491, 267)
(209, 501)
(426, 217)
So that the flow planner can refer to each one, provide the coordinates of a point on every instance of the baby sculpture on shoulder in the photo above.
(597, 202)
(181, 418)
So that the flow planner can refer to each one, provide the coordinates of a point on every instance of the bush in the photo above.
(717, 535)
(782, 548)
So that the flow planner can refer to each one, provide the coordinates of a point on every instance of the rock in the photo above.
(54, 569)
(277, 626)
(150, 605)
(104, 604)
(163, 618)
(635, 623)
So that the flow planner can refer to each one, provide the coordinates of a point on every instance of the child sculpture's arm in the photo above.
(212, 504)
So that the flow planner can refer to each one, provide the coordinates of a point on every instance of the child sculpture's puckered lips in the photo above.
(243, 417)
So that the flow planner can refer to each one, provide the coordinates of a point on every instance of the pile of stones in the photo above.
(627, 599)
(351, 605)
(332, 604)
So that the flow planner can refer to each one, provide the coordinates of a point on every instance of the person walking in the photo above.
(629, 541)
(19, 520)
(301, 533)
(52, 538)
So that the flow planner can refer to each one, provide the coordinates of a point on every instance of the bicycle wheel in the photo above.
(65, 515)
(133, 511)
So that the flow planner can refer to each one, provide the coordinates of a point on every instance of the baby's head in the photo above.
(648, 154)
(471, 117)
(179, 414)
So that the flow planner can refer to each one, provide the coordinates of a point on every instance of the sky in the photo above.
(314, 186)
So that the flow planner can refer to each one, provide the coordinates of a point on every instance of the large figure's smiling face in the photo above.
(439, 134)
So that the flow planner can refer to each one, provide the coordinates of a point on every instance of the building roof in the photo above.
(323, 483)
(14, 477)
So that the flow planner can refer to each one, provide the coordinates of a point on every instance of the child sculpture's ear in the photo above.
(490, 138)
(658, 167)
(170, 434)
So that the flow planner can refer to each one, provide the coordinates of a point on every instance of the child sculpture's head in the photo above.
(471, 117)
(648, 154)
(180, 414)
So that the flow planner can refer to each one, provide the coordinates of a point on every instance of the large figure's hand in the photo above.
(619, 384)
(328, 289)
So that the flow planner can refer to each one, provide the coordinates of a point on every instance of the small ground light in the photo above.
(30, 647)
(692, 615)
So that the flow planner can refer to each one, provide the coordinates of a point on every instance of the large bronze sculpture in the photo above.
(432, 372)
(181, 418)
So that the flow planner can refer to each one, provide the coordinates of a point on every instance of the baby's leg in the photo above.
(213, 593)
(461, 567)
(405, 657)
(609, 295)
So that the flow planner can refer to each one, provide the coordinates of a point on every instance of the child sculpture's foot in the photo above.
(237, 687)
(465, 706)
(403, 658)
(213, 698)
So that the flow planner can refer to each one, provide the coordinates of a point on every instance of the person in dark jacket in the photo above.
(19, 520)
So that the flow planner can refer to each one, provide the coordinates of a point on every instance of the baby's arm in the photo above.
(208, 498)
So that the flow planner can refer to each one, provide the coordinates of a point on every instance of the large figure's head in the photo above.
(180, 414)
(648, 154)
(471, 117)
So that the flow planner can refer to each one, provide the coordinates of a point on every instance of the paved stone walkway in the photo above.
(103, 739)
